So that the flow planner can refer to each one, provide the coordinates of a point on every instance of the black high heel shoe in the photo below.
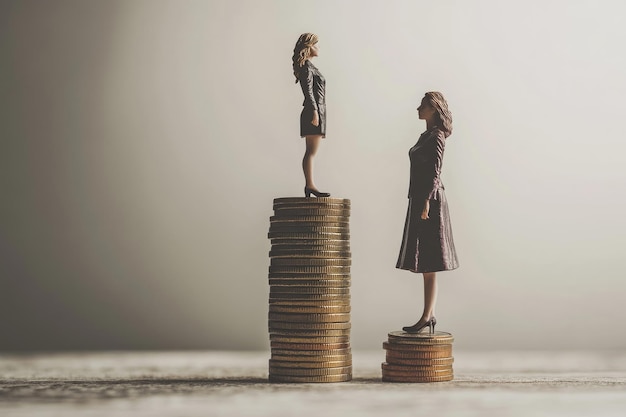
(308, 191)
(415, 329)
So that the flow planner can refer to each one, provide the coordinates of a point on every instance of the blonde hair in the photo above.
(302, 51)
(444, 115)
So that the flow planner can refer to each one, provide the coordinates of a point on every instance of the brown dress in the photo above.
(313, 87)
(427, 245)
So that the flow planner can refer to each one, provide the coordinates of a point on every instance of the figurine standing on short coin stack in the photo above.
(313, 116)
(427, 244)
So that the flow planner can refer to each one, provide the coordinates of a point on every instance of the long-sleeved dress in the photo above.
(427, 245)
(314, 89)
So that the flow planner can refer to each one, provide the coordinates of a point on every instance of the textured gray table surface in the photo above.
(234, 384)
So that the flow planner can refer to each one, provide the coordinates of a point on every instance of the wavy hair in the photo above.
(444, 115)
(302, 52)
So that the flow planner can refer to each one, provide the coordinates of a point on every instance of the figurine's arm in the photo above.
(435, 172)
(306, 82)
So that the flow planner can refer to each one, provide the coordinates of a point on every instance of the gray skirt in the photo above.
(307, 128)
(427, 245)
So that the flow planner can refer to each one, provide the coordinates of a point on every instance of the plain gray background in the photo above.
(142, 143)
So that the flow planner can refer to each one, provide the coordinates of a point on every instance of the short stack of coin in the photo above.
(418, 357)
(309, 302)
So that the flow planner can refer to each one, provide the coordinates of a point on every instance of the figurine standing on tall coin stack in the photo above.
(313, 116)
(427, 244)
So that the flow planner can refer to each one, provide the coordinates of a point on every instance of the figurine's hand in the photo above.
(426, 210)
(316, 118)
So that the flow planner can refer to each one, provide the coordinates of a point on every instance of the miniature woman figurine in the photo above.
(427, 244)
(313, 116)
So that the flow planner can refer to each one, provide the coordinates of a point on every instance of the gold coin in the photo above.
(308, 270)
(309, 365)
(309, 346)
(328, 210)
(317, 240)
(417, 348)
(420, 362)
(308, 242)
(310, 227)
(284, 253)
(309, 289)
(310, 371)
(305, 249)
(311, 317)
(293, 261)
(312, 206)
(309, 275)
(309, 219)
(279, 208)
(312, 333)
(288, 325)
(302, 289)
(310, 209)
(392, 355)
(313, 294)
(416, 369)
(311, 355)
(297, 211)
(302, 236)
(315, 339)
(314, 359)
(342, 227)
(331, 285)
(400, 337)
(309, 248)
(311, 379)
(308, 309)
(418, 374)
(274, 308)
(343, 284)
(314, 221)
(336, 283)
(315, 202)
(290, 210)
(307, 297)
(311, 200)
(387, 378)
(341, 301)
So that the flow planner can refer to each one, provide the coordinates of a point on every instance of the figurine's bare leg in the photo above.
(430, 299)
(312, 144)
(430, 295)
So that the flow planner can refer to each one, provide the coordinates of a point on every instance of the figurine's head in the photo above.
(305, 48)
(434, 106)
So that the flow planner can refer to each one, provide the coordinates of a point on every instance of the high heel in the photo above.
(415, 329)
(308, 191)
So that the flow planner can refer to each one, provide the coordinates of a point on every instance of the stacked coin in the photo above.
(309, 303)
(418, 357)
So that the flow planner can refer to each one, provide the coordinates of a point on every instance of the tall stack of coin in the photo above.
(309, 303)
(418, 357)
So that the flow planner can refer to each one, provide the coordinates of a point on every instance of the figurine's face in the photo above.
(315, 50)
(425, 111)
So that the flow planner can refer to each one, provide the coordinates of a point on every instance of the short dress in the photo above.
(427, 245)
(314, 89)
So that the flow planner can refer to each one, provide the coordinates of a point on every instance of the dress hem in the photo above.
(419, 271)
